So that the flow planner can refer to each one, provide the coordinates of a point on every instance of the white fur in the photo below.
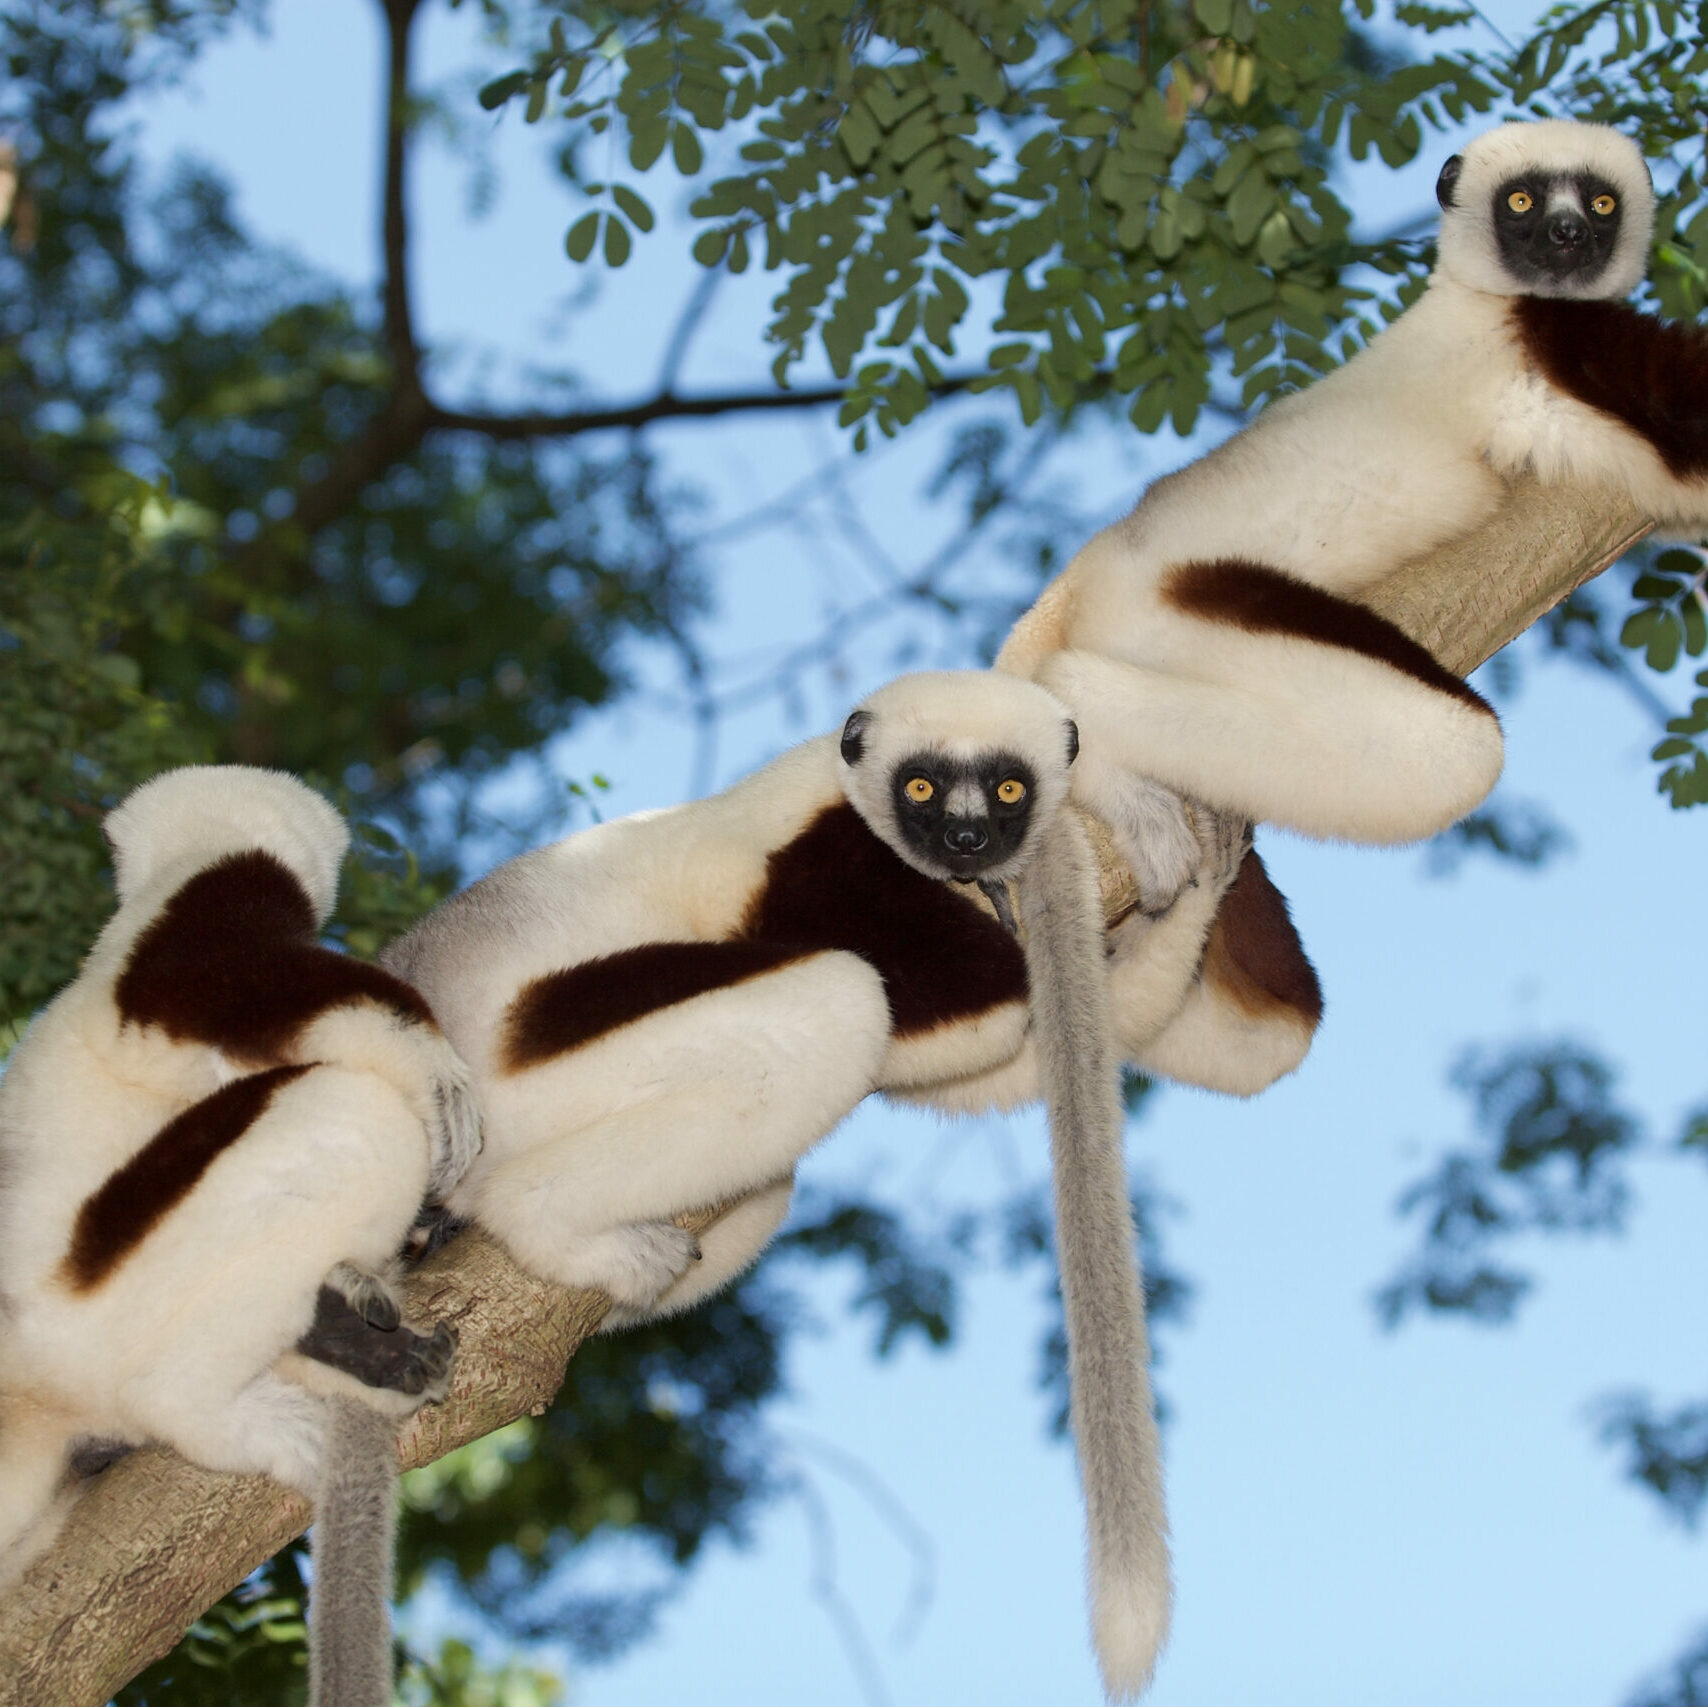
(1405, 448)
(590, 1154)
(189, 1340)
(1468, 250)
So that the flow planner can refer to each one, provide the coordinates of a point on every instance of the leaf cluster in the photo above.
(1551, 1137)
(1145, 186)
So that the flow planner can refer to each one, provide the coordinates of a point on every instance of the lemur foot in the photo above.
(92, 1454)
(1153, 828)
(371, 1296)
(1225, 837)
(633, 1264)
(395, 1358)
(435, 1227)
(454, 1132)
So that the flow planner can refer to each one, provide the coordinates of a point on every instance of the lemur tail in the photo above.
(1108, 1353)
(34, 1498)
(355, 1520)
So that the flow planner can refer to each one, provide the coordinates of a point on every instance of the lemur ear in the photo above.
(1448, 182)
(854, 736)
(1072, 740)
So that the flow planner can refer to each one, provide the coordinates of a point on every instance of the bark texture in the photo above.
(155, 1541)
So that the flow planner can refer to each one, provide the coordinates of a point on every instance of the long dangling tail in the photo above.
(355, 1523)
(1114, 1425)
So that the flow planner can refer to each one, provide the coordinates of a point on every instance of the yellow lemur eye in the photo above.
(919, 789)
(1011, 791)
(1603, 205)
(1519, 201)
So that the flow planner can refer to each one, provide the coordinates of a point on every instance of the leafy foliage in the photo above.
(1668, 1454)
(1551, 1135)
(1147, 184)
(464, 604)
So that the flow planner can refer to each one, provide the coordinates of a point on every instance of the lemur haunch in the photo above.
(1214, 641)
(211, 1145)
(668, 1011)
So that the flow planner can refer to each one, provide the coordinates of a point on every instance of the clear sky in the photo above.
(1361, 1520)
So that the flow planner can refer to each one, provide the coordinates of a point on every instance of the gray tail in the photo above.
(1114, 1425)
(355, 1522)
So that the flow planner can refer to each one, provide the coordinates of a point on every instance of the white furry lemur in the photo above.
(668, 1011)
(212, 1143)
(1214, 641)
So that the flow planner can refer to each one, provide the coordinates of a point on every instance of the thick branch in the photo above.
(155, 1541)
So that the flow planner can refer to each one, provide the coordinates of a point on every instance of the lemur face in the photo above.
(1555, 226)
(953, 770)
(964, 818)
(1547, 209)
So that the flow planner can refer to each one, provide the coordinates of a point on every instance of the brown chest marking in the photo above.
(1648, 373)
(116, 1218)
(231, 961)
(566, 1009)
(1255, 954)
(837, 886)
(1262, 600)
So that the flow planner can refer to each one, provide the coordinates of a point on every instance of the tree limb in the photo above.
(155, 1541)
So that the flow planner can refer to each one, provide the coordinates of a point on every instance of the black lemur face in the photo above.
(1554, 226)
(963, 817)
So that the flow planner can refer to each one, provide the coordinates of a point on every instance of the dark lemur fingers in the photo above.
(435, 1227)
(90, 1456)
(370, 1295)
(395, 1359)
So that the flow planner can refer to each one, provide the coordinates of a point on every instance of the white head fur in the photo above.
(1562, 168)
(187, 817)
(970, 732)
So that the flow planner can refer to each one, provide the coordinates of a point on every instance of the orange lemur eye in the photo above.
(1519, 201)
(918, 789)
(1603, 205)
(1011, 791)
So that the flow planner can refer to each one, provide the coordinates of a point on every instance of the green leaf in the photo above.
(685, 150)
(582, 235)
(636, 211)
(617, 241)
(502, 89)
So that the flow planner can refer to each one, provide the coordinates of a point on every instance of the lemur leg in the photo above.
(697, 1103)
(228, 1281)
(1323, 738)
(415, 1058)
(35, 1443)
(1252, 1009)
(728, 1247)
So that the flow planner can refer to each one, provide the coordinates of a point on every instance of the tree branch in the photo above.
(663, 405)
(155, 1541)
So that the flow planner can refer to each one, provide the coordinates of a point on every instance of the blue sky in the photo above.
(1361, 1520)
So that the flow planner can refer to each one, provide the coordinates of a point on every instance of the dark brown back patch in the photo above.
(837, 886)
(231, 961)
(132, 1200)
(1255, 954)
(1648, 373)
(1262, 600)
(572, 1007)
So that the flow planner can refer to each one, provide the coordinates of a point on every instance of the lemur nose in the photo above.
(965, 837)
(1567, 230)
